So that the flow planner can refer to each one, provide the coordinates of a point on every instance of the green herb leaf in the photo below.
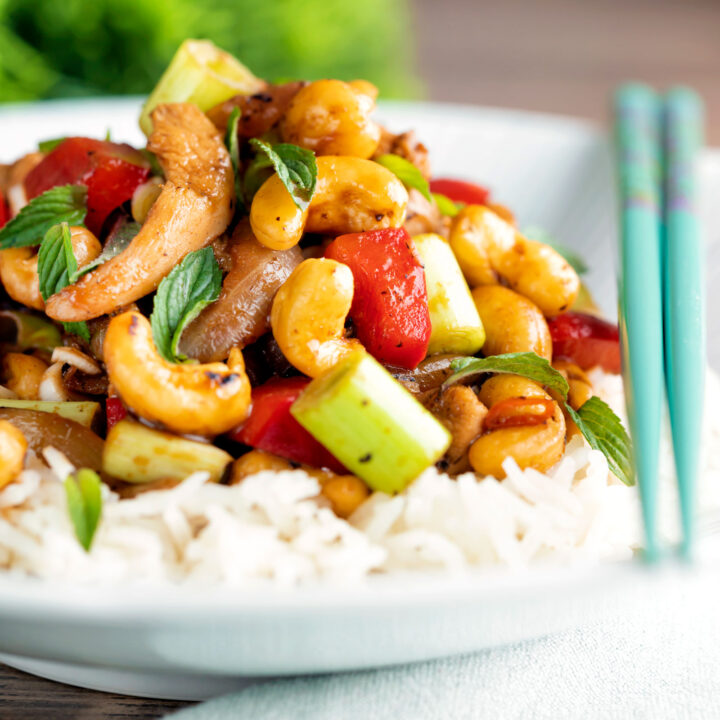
(114, 246)
(604, 431)
(65, 203)
(189, 287)
(574, 260)
(258, 171)
(84, 502)
(406, 172)
(595, 419)
(445, 205)
(57, 266)
(56, 260)
(233, 146)
(45, 146)
(526, 364)
(295, 166)
(155, 167)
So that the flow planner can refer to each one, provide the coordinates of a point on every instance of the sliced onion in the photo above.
(240, 315)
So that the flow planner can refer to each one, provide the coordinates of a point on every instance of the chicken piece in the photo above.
(258, 112)
(461, 412)
(241, 313)
(407, 146)
(194, 207)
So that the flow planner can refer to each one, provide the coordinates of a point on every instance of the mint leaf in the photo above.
(604, 431)
(116, 243)
(45, 146)
(295, 166)
(189, 287)
(573, 259)
(84, 503)
(57, 266)
(231, 142)
(600, 426)
(526, 364)
(406, 172)
(155, 168)
(56, 260)
(258, 171)
(445, 205)
(65, 203)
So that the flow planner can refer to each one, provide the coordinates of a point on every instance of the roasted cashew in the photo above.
(490, 250)
(194, 207)
(192, 399)
(13, 447)
(331, 117)
(512, 323)
(19, 267)
(23, 374)
(351, 195)
(536, 446)
(309, 312)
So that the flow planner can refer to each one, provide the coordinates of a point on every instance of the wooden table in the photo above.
(560, 56)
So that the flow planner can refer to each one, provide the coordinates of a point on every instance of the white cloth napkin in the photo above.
(661, 660)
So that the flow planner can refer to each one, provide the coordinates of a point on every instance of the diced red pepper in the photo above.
(4, 211)
(114, 411)
(390, 304)
(460, 191)
(518, 412)
(272, 428)
(111, 172)
(586, 340)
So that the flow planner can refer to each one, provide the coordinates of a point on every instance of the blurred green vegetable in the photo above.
(82, 47)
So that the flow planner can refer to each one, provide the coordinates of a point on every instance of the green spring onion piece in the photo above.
(139, 454)
(370, 423)
(83, 412)
(199, 73)
(28, 331)
(456, 324)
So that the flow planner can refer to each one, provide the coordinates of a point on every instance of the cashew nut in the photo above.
(13, 447)
(351, 195)
(536, 446)
(19, 267)
(309, 312)
(194, 207)
(512, 323)
(332, 117)
(23, 374)
(489, 250)
(192, 399)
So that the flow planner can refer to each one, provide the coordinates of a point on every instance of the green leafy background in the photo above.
(75, 48)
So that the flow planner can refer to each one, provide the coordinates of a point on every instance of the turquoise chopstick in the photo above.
(684, 294)
(637, 126)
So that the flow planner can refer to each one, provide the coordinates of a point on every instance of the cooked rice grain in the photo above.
(274, 526)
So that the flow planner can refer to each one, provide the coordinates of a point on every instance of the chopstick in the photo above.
(637, 138)
(683, 295)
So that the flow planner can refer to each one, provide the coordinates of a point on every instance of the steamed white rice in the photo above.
(274, 526)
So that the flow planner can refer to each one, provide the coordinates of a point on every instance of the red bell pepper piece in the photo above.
(586, 340)
(4, 211)
(390, 304)
(111, 172)
(272, 428)
(460, 191)
(114, 411)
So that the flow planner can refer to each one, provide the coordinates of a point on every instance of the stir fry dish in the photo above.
(274, 282)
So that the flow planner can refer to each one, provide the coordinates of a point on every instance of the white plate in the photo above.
(555, 173)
